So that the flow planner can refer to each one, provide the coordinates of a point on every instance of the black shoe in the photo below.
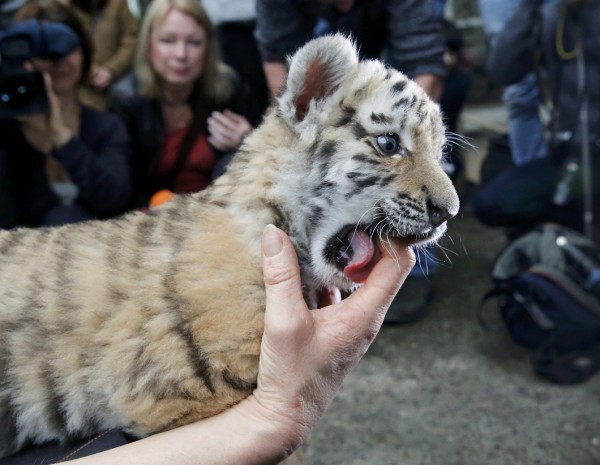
(411, 302)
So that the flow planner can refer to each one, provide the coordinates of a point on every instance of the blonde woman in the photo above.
(185, 110)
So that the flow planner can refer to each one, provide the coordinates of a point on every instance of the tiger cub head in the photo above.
(368, 147)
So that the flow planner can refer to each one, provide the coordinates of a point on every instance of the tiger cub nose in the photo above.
(437, 214)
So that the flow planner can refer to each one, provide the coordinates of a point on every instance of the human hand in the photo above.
(101, 78)
(227, 129)
(306, 354)
(45, 131)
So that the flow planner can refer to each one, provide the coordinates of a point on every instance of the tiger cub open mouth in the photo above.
(355, 251)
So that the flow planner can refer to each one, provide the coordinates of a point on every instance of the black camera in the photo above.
(23, 92)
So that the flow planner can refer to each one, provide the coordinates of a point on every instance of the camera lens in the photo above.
(22, 93)
(16, 91)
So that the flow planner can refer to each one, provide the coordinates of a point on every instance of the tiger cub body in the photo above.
(154, 320)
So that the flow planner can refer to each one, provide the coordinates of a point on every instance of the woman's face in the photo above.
(65, 72)
(178, 48)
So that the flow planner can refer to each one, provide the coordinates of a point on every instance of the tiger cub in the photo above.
(154, 320)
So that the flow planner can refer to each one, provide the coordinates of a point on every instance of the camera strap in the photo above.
(586, 160)
(582, 133)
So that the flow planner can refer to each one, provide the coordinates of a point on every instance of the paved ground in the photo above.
(441, 391)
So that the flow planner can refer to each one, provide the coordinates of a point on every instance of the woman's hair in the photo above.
(52, 10)
(212, 86)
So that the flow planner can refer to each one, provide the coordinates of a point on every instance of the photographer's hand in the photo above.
(48, 131)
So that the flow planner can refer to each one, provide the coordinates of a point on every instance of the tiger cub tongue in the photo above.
(364, 256)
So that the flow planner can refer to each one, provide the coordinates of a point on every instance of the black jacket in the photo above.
(97, 161)
(144, 121)
(407, 32)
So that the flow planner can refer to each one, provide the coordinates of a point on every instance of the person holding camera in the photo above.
(70, 163)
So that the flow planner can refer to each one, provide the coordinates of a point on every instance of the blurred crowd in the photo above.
(158, 95)
(143, 98)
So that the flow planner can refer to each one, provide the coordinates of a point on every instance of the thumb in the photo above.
(285, 302)
(52, 98)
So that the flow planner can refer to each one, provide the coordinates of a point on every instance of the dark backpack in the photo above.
(547, 285)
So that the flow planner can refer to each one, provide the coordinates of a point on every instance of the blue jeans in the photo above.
(427, 262)
(525, 129)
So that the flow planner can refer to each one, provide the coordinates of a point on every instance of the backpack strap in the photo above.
(485, 321)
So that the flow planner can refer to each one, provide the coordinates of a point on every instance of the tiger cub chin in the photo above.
(151, 321)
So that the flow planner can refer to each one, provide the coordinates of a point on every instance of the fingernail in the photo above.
(271, 241)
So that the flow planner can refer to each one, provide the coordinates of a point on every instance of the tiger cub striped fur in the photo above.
(154, 320)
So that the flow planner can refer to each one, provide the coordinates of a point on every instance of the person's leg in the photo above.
(65, 214)
(525, 128)
(454, 97)
(520, 196)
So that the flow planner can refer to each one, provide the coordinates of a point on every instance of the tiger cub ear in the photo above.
(316, 71)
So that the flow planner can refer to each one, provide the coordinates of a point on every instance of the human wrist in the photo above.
(275, 432)
(59, 137)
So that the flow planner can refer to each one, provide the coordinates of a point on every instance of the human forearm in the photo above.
(120, 62)
(238, 436)
(432, 84)
(275, 73)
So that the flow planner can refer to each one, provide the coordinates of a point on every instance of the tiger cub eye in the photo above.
(388, 143)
